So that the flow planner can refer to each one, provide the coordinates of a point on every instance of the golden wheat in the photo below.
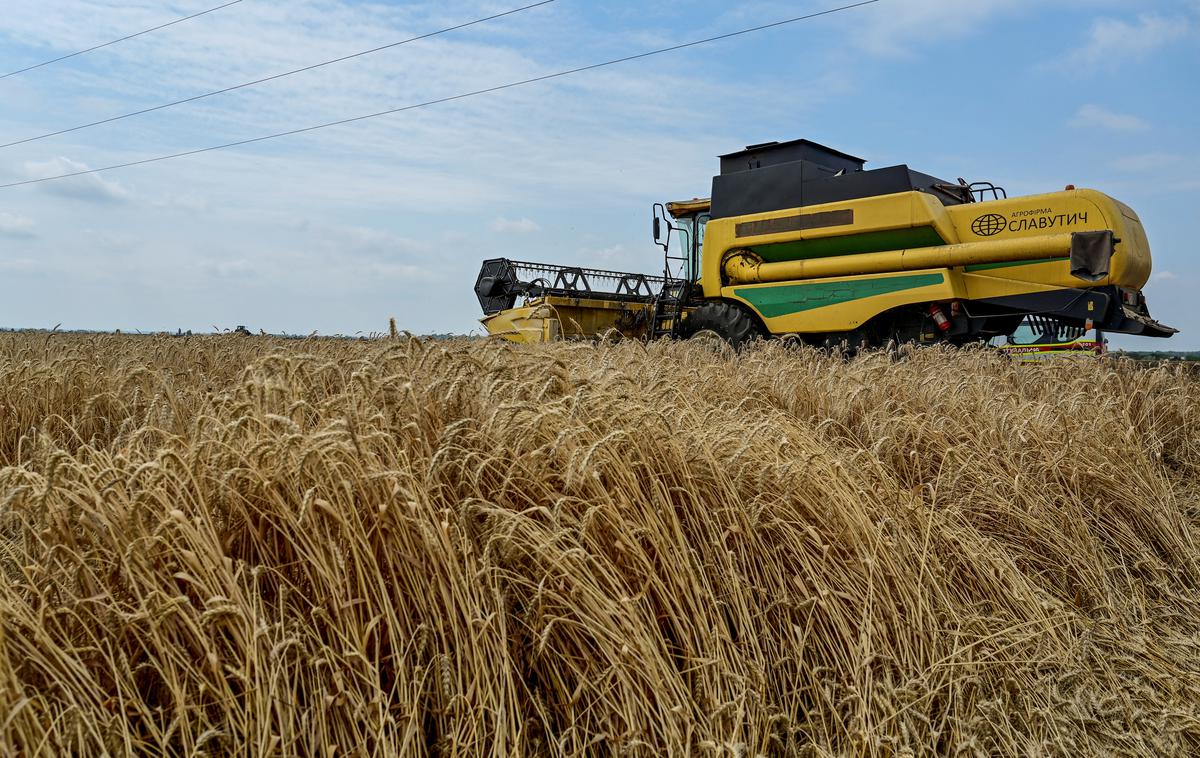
(404, 547)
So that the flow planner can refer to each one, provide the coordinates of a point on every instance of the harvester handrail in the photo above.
(594, 282)
(591, 273)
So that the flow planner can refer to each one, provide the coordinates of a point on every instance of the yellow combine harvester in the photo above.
(800, 239)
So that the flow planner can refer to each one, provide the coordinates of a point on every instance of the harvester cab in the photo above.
(679, 231)
(800, 239)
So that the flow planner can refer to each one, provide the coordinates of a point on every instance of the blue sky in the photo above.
(338, 230)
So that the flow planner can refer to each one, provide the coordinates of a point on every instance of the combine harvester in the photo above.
(800, 240)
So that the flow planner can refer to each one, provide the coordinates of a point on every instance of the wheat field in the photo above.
(258, 547)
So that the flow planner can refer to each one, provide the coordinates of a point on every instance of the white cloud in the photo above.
(1095, 116)
(514, 226)
(185, 201)
(90, 187)
(1148, 162)
(225, 269)
(1165, 276)
(910, 26)
(16, 227)
(615, 252)
(1110, 40)
(387, 271)
(898, 28)
(18, 265)
(362, 241)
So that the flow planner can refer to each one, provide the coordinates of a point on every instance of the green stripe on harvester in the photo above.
(1008, 264)
(849, 244)
(795, 298)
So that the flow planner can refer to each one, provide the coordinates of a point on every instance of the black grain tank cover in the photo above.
(761, 179)
(775, 153)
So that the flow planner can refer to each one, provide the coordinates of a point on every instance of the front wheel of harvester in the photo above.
(726, 320)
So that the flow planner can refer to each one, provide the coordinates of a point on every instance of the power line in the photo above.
(441, 100)
(276, 76)
(122, 39)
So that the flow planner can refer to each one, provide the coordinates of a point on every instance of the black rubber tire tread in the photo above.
(732, 323)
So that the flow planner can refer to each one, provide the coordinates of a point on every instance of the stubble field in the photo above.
(236, 545)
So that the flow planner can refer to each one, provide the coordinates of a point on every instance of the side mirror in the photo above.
(660, 213)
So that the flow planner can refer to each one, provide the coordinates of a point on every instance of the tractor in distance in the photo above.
(801, 240)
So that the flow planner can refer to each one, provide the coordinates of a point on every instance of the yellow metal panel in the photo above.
(1033, 277)
(904, 210)
(688, 207)
(844, 316)
(994, 224)
(526, 325)
(1033, 215)
(872, 214)
(981, 286)
(867, 214)
(550, 318)
(927, 209)
(1134, 262)
(1057, 213)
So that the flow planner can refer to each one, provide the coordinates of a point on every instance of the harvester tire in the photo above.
(726, 320)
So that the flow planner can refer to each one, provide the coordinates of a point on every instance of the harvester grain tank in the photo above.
(800, 239)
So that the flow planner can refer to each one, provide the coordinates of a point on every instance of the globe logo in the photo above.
(989, 225)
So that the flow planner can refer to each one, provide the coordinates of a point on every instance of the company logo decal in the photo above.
(989, 225)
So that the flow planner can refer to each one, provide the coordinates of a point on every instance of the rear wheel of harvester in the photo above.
(726, 320)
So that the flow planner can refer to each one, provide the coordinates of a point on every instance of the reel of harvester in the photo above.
(502, 281)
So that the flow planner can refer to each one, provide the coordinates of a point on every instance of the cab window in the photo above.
(698, 250)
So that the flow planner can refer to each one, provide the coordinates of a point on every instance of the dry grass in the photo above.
(234, 545)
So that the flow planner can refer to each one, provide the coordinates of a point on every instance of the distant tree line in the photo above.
(1159, 355)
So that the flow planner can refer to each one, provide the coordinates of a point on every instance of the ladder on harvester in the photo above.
(668, 306)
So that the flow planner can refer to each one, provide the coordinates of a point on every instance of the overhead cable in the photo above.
(441, 100)
(122, 39)
(224, 90)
